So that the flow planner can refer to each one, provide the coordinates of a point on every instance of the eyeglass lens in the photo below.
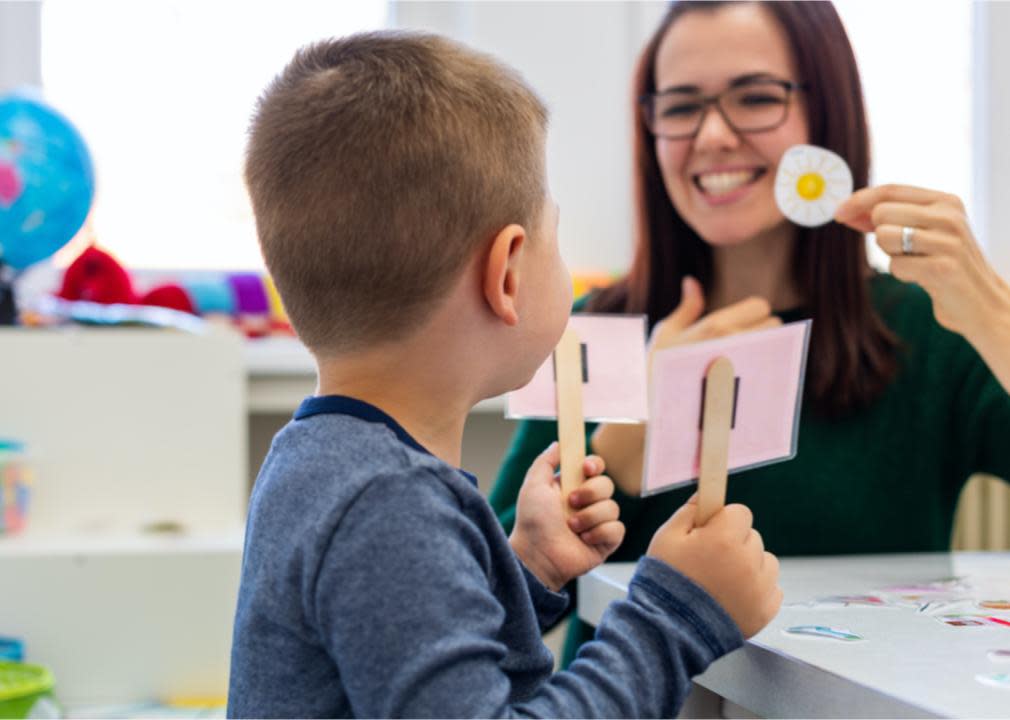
(755, 106)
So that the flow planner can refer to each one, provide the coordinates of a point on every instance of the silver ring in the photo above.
(906, 240)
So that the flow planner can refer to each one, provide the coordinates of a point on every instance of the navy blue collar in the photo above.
(344, 405)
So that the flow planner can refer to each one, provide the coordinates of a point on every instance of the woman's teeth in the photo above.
(720, 183)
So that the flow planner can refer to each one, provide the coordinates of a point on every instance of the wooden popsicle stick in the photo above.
(715, 427)
(571, 424)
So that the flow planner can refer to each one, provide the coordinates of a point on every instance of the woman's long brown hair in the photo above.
(852, 354)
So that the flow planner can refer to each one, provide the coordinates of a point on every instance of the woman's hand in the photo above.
(623, 446)
(944, 259)
(686, 324)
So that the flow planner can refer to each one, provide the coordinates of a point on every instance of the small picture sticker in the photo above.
(995, 604)
(823, 631)
(998, 680)
(1001, 655)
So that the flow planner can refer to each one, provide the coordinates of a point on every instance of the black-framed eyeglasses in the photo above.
(748, 107)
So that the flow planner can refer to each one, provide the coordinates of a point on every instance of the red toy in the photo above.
(98, 277)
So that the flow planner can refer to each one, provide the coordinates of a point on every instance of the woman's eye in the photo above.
(681, 110)
(756, 99)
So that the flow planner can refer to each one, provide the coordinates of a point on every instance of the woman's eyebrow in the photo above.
(752, 77)
(691, 89)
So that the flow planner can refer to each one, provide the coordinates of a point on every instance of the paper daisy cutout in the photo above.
(810, 184)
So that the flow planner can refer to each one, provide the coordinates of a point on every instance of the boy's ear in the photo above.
(501, 273)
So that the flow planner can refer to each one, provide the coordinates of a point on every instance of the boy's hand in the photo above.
(556, 546)
(727, 558)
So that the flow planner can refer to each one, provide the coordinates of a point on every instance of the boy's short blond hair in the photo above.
(377, 164)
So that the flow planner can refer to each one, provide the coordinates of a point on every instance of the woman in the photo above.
(906, 383)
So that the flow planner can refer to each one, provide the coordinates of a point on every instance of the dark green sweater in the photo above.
(884, 480)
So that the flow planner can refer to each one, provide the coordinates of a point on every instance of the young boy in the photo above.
(400, 194)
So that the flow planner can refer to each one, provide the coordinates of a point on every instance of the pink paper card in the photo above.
(614, 387)
(769, 366)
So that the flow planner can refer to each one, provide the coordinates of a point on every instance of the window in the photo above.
(917, 80)
(163, 91)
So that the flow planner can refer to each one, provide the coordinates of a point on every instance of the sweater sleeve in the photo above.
(982, 415)
(403, 602)
(548, 605)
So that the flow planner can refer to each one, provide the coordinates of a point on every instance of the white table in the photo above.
(909, 665)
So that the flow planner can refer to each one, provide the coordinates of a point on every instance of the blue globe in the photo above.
(47, 181)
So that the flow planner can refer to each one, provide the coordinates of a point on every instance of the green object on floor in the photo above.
(21, 687)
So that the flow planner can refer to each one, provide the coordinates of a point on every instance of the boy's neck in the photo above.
(425, 399)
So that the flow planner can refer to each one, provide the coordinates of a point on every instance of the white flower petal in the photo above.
(800, 160)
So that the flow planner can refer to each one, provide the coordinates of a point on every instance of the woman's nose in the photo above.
(715, 132)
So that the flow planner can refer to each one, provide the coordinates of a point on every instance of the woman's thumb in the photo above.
(692, 304)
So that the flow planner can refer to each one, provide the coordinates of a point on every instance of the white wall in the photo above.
(20, 44)
(991, 177)
(579, 56)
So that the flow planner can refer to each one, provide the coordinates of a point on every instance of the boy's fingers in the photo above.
(592, 490)
(770, 564)
(594, 465)
(549, 459)
(595, 514)
(770, 571)
(608, 536)
(754, 538)
(682, 521)
(756, 546)
(737, 520)
(774, 603)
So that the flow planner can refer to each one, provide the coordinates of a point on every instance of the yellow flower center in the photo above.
(810, 186)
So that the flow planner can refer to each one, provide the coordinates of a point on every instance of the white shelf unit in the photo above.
(124, 619)
(126, 429)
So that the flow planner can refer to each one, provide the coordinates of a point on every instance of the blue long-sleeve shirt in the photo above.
(377, 582)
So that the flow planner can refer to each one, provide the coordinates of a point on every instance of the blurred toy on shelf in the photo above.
(97, 289)
(12, 649)
(26, 691)
(584, 281)
(47, 183)
(15, 487)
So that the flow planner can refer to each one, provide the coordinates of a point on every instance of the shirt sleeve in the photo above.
(403, 600)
